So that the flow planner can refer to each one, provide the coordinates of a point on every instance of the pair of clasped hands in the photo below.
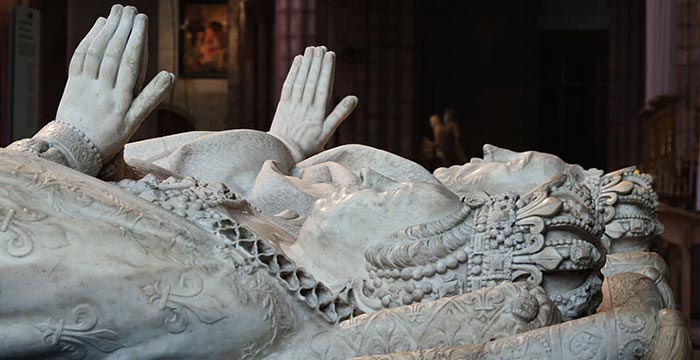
(103, 96)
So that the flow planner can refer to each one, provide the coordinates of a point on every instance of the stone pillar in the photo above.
(687, 86)
(627, 34)
(5, 8)
(295, 28)
(660, 48)
(374, 42)
(249, 69)
(391, 79)
(54, 63)
(238, 114)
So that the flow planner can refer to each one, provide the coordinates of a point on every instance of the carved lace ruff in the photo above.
(198, 202)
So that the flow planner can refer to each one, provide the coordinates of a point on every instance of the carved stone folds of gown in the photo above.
(164, 268)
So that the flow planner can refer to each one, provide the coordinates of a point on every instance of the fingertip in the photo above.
(164, 75)
(329, 56)
(99, 24)
(116, 10)
(142, 17)
(351, 101)
(130, 9)
(308, 51)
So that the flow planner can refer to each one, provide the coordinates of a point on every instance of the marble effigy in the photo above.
(262, 245)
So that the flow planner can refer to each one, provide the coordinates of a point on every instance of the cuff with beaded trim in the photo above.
(78, 150)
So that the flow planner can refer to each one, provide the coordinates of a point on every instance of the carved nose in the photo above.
(372, 179)
(489, 149)
(495, 153)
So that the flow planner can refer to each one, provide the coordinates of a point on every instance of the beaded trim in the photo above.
(80, 152)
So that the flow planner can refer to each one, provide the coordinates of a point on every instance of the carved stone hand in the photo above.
(106, 71)
(301, 121)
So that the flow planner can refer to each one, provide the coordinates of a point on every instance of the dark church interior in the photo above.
(601, 83)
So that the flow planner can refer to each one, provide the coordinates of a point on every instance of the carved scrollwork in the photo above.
(636, 349)
(633, 322)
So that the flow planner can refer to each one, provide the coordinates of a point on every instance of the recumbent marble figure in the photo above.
(244, 244)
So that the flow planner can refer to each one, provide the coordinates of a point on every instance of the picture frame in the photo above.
(203, 39)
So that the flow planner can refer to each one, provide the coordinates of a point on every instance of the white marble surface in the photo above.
(263, 245)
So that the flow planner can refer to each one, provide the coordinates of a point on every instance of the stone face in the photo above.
(246, 244)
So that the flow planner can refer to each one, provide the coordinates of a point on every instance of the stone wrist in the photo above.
(79, 151)
(294, 150)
